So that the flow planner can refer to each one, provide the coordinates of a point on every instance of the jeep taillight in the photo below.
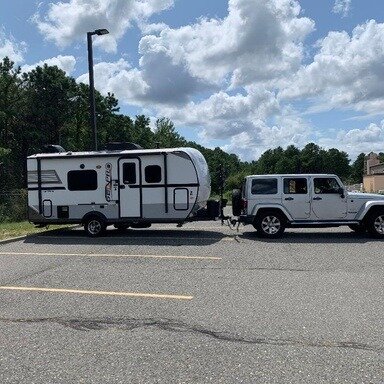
(244, 204)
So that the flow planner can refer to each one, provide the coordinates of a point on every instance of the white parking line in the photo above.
(110, 255)
(102, 293)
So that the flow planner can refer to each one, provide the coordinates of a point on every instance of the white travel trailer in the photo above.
(127, 188)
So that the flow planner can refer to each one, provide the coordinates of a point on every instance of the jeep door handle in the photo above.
(317, 198)
(289, 198)
(122, 186)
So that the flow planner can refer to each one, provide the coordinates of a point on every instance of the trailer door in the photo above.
(130, 188)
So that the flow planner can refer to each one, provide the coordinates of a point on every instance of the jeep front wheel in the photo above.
(375, 224)
(270, 224)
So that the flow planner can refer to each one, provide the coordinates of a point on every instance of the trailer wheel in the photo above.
(95, 226)
(375, 224)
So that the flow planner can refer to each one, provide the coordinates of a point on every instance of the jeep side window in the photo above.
(326, 185)
(296, 186)
(264, 186)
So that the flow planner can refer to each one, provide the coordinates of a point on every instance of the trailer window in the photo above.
(129, 173)
(82, 180)
(152, 174)
(264, 186)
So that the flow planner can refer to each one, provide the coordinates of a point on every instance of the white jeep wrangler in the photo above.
(273, 202)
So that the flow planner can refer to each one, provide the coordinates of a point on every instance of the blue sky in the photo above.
(245, 75)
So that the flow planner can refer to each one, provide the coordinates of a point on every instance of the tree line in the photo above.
(45, 106)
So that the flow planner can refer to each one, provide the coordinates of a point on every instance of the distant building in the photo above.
(373, 173)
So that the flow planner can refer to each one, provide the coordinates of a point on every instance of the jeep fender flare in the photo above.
(369, 207)
(276, 207)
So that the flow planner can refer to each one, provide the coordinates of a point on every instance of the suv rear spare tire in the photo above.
(236, 202)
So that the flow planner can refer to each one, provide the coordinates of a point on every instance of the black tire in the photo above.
(141, 225)
(95, 226)
(270, 224)
(375, 224)
(358, 228)
(121, 227)
(236, 202)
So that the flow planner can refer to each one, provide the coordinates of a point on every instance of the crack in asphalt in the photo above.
(245, 269)
(34, 274)
(126, 324)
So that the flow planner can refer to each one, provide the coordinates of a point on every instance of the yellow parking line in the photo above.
(109, 255)
(102, 293)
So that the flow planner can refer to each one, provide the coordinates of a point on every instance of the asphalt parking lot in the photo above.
(197, 304)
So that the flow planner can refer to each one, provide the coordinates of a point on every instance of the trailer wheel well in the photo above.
(89, 215)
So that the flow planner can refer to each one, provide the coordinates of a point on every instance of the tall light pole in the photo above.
(92, 108)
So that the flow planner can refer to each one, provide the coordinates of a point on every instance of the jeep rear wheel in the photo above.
(270, 224)
(375, 224)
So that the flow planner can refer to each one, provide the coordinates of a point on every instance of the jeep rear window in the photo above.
(264, 186)
(297, 186)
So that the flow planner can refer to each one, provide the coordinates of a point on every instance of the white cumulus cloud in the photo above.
(11, 48)
(355, 141)
(65, 22)
(66, 63)
(347, 71)
(118, 78)
(342, 7)
(258, 41)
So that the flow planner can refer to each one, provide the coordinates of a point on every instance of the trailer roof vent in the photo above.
(117, 146)
(50, 148)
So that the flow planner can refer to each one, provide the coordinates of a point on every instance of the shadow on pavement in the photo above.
(175, 237)
(312, 237)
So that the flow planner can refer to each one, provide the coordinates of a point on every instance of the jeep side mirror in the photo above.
(341, 193)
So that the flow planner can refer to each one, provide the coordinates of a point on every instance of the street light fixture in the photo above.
(92, 108)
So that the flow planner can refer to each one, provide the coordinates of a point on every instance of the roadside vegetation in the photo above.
(45, 106)
(22, 228)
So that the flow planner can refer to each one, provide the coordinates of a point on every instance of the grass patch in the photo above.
(22, 228)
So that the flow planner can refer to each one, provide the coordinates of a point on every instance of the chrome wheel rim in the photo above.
(94, 227)
(379, 225)
(270, 225)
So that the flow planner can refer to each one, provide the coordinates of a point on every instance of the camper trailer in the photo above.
(126, 188)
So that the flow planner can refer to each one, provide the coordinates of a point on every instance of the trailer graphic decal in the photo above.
(108, 179)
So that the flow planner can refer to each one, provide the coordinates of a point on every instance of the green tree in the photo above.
(312, 159)
(357, 169)
(11, 108)
(48, 106)
(289, 162)
(337, 162)
(165, 134)
(142, 133)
